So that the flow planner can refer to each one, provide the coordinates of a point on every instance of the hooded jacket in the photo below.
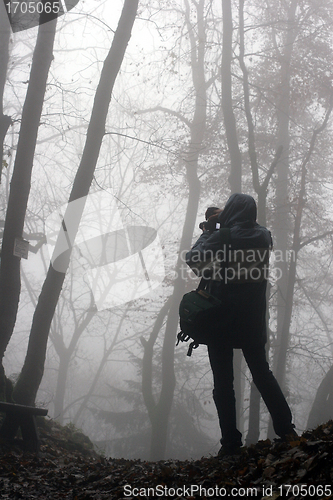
(243, 311)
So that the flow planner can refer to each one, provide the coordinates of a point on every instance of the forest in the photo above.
(120, 123)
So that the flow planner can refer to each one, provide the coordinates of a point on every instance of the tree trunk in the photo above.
(65, 355)
(322, 408)
(261, 190)
(59, 397)
(235, 177)
(285, 333)
(282, 214)
(10, 281)
(97, 375)
(159, 412)
(147, 361)
(282, 223)
(162, 409)
(5, 120)
(28, 383)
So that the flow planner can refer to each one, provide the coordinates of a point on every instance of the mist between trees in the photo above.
(166, 107)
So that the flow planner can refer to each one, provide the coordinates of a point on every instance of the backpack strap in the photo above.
(224, 233)
(193, 345)
(202, 284)
(224, 245)
(225, 239)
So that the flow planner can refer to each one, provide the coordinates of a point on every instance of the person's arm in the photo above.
(205, 247)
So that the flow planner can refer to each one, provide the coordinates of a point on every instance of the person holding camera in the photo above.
(242, 319)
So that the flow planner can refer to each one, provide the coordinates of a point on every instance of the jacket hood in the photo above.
(239, 208)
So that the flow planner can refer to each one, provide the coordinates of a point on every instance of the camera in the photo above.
(209, 225)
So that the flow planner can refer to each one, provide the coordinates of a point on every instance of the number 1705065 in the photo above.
(305, 490)
(33, 7)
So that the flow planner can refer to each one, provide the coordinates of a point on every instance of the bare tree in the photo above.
(296, 246)
(274, 175)
(235, 177)
(260, 186)
(10, 282)
(159, 410)
(282, 223)
(5, 120)
(27, 385)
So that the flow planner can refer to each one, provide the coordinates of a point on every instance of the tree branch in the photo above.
(149, 143)
(165, 110)
(271, 169)
(315, 238)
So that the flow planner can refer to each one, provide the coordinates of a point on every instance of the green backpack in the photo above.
(198, 310)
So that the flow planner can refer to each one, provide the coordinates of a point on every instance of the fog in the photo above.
(183, 131)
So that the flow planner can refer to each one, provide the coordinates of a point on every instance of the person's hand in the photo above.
(203, 226)
(212, 221)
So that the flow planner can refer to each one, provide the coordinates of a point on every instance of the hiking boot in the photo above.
(229, 451)
(290, 435)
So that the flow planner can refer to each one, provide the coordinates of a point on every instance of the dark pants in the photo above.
(221, 360)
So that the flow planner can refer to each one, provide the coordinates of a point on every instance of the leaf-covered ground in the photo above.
(67, 468)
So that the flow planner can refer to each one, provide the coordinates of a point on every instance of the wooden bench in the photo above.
(23, 417)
